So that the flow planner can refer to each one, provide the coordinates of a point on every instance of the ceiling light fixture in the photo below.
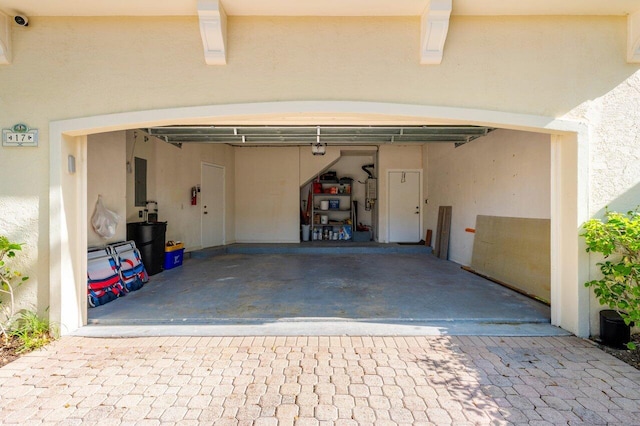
(318, 148)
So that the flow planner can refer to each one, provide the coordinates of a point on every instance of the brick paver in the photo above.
(320, 380)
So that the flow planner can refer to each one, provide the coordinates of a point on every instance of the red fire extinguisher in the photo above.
(194, 196)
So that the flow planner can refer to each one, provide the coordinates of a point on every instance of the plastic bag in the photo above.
(104, 221)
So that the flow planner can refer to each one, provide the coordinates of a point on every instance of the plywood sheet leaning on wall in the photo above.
(514, 251)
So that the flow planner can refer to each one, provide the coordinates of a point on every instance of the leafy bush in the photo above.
(8, 278)
(618, 239)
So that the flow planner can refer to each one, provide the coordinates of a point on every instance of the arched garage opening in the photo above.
(569, 300)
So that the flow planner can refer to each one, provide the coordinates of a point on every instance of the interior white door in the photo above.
(212, 205)
(404, 206)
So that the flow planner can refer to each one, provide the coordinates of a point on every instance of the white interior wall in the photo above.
(106, 177)
(351, 166)
(176, 171)
(311, 165)
(506, 173)
(393, 157)
(267, 195)
(171, 172)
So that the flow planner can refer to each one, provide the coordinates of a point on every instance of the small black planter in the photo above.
(613, 331)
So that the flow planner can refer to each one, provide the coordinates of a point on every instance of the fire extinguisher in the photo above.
(194, 196)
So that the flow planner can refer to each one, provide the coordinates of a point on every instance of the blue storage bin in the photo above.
(173, 256)
(334, 204)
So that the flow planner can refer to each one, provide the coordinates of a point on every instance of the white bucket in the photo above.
(324, 219)
(306, 231)
(324, 205)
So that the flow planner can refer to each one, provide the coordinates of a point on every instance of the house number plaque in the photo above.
(20, 135)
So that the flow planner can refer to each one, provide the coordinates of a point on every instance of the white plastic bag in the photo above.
(104, 221)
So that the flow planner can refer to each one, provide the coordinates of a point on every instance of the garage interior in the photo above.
(496, 180)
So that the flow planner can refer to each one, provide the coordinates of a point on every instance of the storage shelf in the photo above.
(343, 211)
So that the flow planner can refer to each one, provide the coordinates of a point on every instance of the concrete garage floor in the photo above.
(379, 293)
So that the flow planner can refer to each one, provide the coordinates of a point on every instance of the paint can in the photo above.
(324, 219)
(324, 205)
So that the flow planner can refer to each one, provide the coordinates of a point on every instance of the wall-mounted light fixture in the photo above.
(71, 164)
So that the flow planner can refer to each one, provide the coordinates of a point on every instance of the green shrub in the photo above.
(617, 238)
(32, 331)
(8, 279)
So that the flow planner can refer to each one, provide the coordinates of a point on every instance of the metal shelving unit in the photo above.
(339, 219)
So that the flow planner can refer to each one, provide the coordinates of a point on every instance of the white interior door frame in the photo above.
(204, 164)
(388, 196)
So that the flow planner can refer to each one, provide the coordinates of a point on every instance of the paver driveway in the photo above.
(320, 380)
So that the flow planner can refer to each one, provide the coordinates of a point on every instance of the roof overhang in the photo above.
(317, 7)
(434, 15)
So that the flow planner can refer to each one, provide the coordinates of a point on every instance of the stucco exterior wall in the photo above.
(506, 173)
(63, 68)
(614, 158)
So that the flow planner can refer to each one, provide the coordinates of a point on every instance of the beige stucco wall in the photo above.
(545, 65)
(614, 158)
(66, 68)
(506, 173)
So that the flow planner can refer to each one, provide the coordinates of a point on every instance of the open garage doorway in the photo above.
(392, 161)
(500, 175)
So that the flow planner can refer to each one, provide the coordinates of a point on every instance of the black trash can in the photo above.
(150, 239)
(613, 331)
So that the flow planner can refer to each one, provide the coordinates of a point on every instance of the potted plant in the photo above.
(617, 238)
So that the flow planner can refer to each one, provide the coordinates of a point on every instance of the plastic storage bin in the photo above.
(361, 236)
(173, 256)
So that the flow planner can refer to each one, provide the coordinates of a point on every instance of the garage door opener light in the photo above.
(319, 148)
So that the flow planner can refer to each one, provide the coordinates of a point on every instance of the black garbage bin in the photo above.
(613, 331)
(150, 239)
